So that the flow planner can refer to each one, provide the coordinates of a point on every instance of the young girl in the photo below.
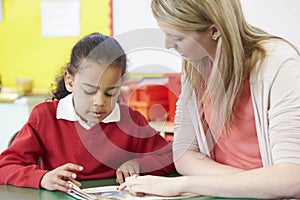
(84, 133)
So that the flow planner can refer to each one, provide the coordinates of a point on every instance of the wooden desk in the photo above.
(8, 192)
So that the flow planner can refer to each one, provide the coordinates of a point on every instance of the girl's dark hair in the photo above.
(95, 47)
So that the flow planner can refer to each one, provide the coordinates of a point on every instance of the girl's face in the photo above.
(191, 45)
(95, 90)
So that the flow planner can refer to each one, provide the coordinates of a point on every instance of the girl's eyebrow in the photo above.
(90, 85)
(97, 87)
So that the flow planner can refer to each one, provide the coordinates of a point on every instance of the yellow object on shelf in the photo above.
(9, 97)
(24, 85)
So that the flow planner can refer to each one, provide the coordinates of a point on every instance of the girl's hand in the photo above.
(58, 178)
(127, 169)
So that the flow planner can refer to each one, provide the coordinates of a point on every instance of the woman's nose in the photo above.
(169, 43)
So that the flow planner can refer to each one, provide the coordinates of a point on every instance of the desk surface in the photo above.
(8, 192)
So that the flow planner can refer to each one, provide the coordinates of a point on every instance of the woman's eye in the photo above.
(177, 38)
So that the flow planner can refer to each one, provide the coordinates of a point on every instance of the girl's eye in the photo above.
(90, 92)
(109, 95)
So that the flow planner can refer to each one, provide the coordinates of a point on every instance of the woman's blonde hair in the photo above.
(239, 48)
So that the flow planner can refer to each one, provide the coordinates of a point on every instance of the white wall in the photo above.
(279, 17)
(130, 17)
(132, 14)
(136, 30)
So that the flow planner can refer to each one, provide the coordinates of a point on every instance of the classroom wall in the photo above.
(135, 28)
(279, 17)
(25, 53)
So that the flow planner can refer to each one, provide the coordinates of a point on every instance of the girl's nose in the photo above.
(99, 99)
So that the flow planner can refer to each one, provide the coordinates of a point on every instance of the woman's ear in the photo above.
(69, 81)
(215, 33)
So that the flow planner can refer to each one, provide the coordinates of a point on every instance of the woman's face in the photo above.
(191, 45)
(96, 90)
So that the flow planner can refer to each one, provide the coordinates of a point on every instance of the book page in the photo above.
(112, 192)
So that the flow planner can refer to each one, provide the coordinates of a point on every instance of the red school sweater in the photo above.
(100, 150)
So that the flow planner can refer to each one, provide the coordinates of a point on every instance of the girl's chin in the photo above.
(93, 120)
(96, 121)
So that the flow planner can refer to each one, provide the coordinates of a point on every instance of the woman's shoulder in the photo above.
(277, 52)
(279, 47)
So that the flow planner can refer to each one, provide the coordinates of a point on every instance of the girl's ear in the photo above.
(69, 81)
(215, 34)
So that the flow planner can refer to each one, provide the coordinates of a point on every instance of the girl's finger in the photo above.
(120, 177)
(71, 166)
(77, 183)
(65, 175)
(62, 185)
(133, 171)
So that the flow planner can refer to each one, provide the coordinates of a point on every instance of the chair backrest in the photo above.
(12, 138)
(11, 141)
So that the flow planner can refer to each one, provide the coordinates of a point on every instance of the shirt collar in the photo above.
(65, 110)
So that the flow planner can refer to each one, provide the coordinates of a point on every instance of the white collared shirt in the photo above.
(66, 111)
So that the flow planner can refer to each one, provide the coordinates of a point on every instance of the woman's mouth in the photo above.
(181, 53)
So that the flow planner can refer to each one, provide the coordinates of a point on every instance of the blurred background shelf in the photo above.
(164, 128)
(14, 112)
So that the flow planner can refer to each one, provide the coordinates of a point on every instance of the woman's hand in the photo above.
(127, 169)
(58, 178)
(155, 185)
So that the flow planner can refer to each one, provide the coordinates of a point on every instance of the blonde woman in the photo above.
(237, 126)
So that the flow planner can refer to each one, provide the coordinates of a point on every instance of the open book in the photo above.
(112, 192)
